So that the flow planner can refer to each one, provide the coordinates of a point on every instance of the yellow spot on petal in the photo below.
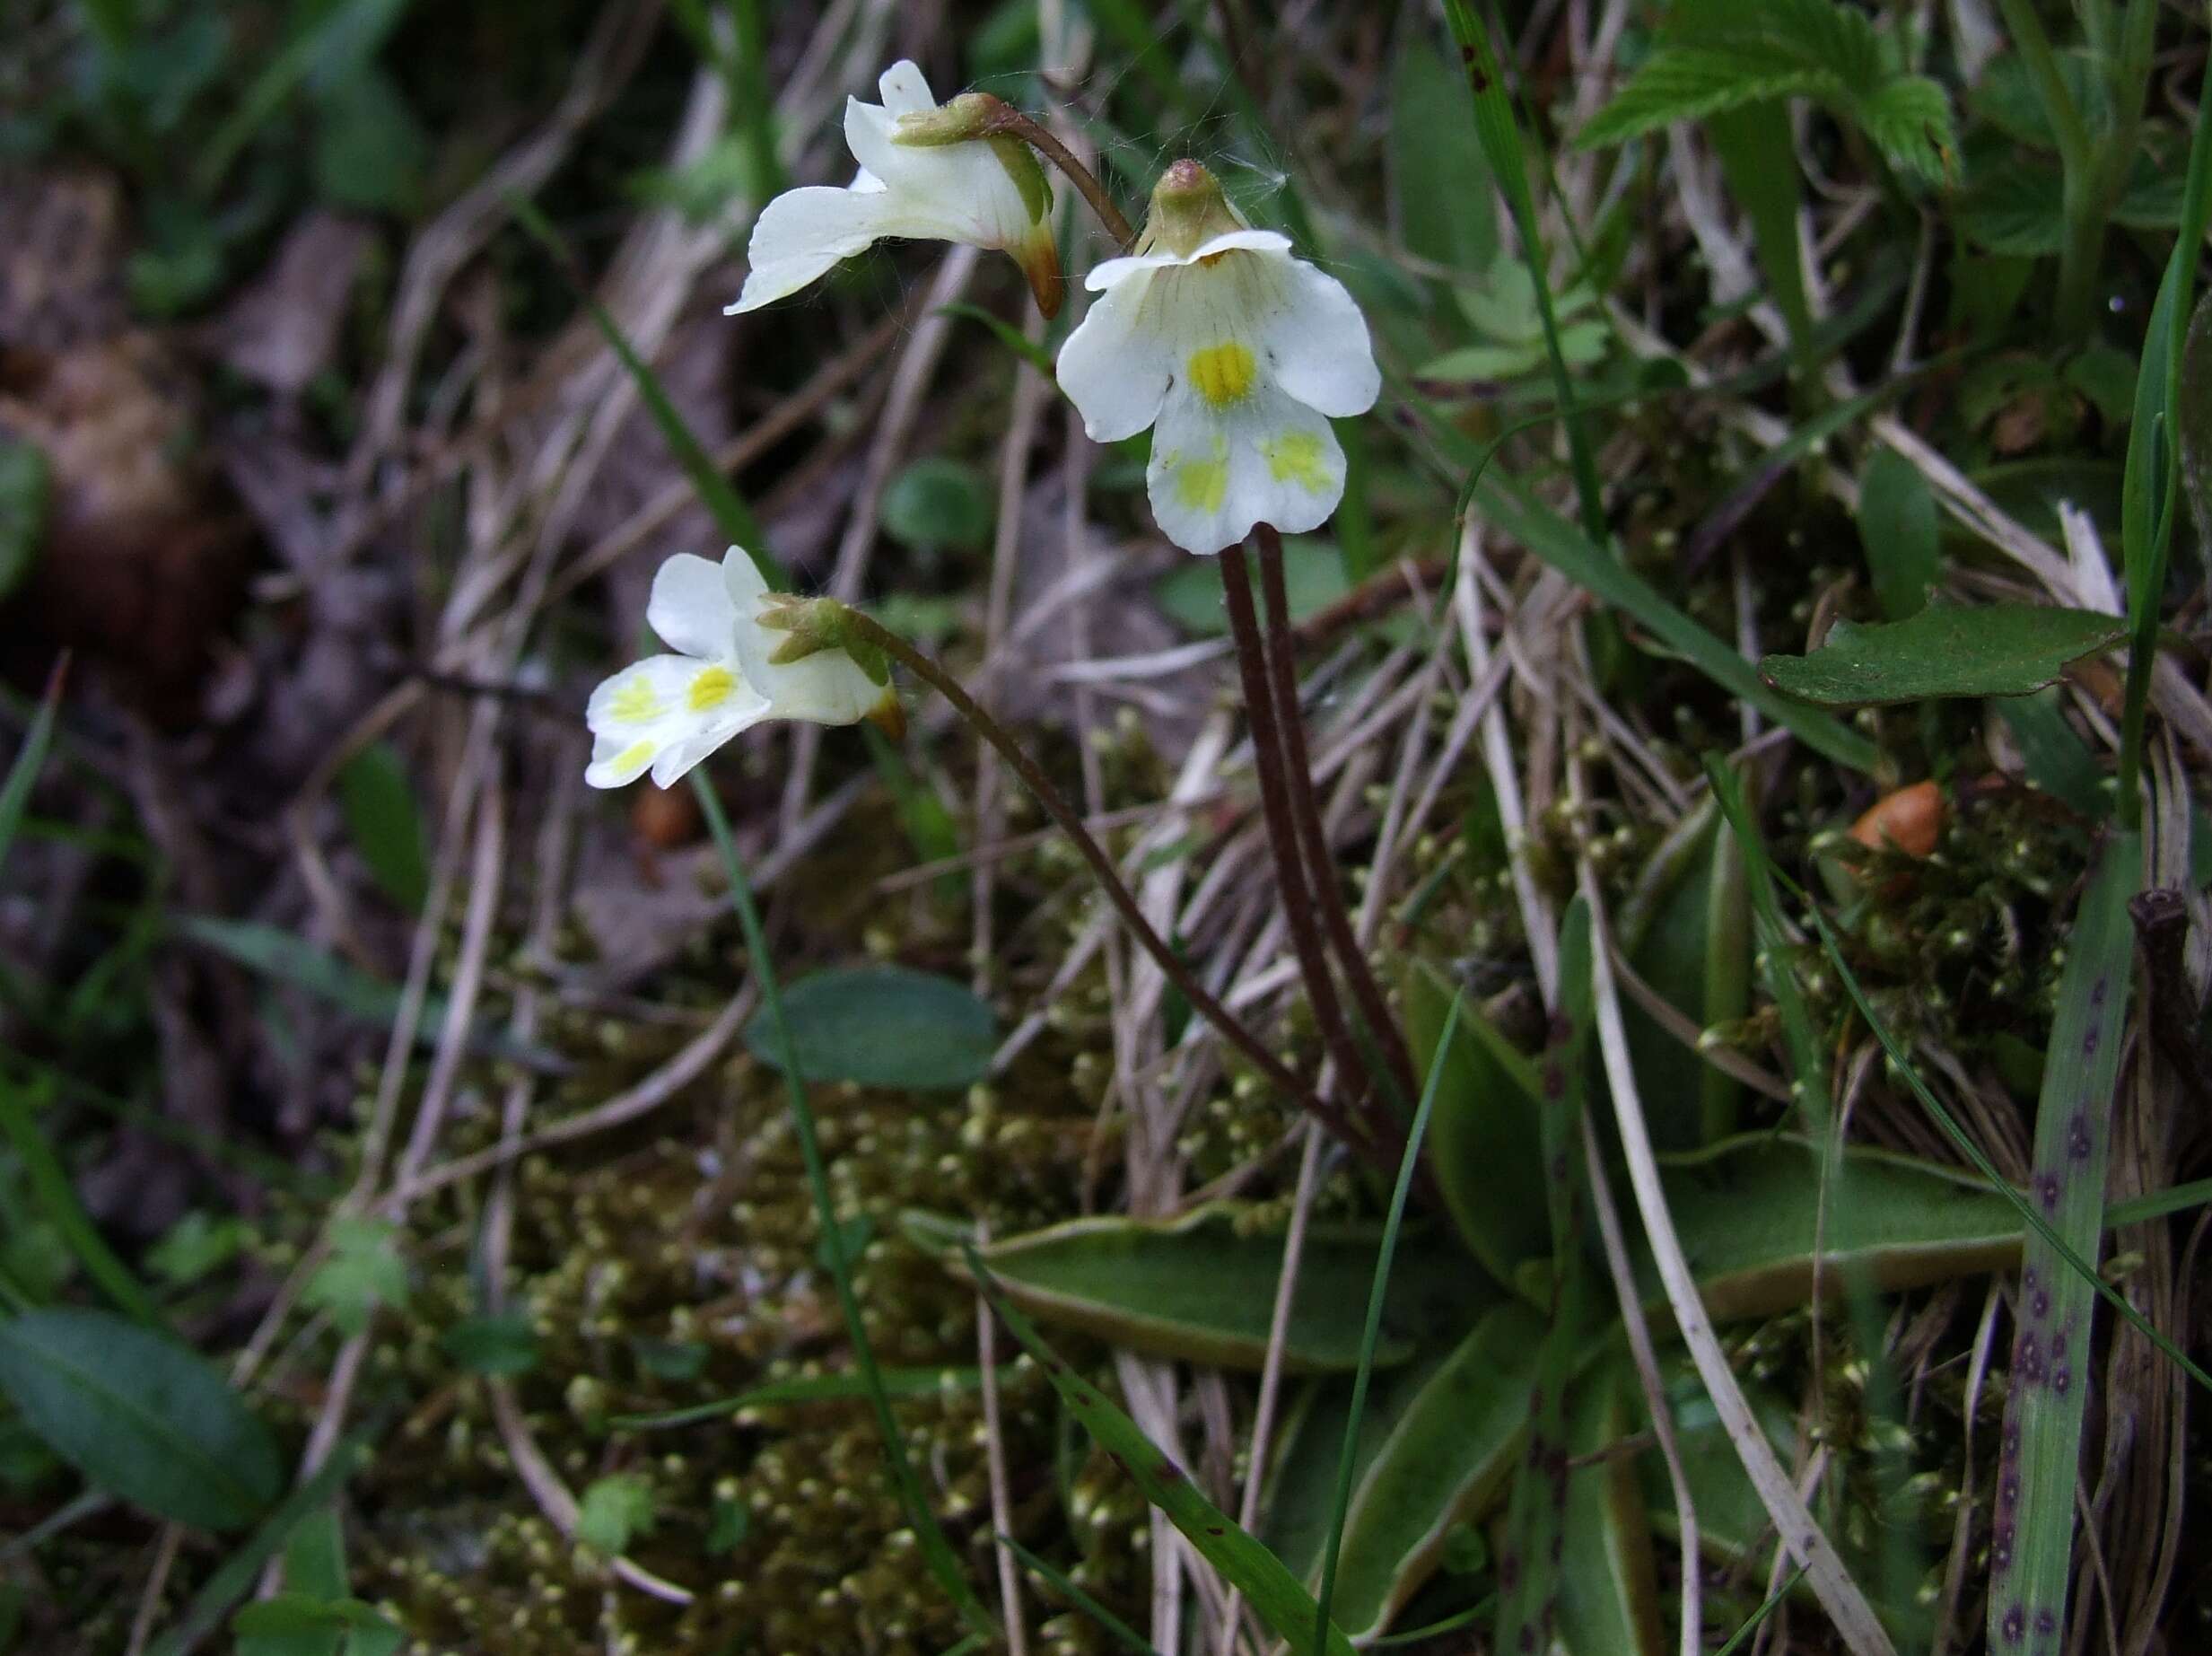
(711, 689)
(1298, 457)
(1222, 373)
(634, 702)
(1202, 484)
(635, 756)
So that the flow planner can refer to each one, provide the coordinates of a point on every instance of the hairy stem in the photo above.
(1312, 834)
(1299, 899)
(1014, 124)
(928, 669)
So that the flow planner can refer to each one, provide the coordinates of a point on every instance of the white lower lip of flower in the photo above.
(1236, 353)
(667, 712)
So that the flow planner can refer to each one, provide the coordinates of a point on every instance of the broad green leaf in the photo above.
(1668, 930)
(385, 823)
(1484, 1144)
(1608, 1592)
(315, 1557)
(1900, 532)
(613, 1511)
(1202, 1286)
(937, 503)
(23, 489)
(370, 152)
(144, 1418)
(883, 1026)
(296, 1625)
(2032, 1552)
(1448, 1445)
(1440, 186)
(506, 1344)
(1747, 1211)
(2058, 760)
(1950, 650)
(1276, 1594)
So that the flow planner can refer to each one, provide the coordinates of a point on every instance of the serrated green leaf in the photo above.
(1950, 650)
(1689, 82)
(1908, 119)
(363, 1273)
(613, 1511)
(1201, 1286)
(883, 1026)
(140, 1415)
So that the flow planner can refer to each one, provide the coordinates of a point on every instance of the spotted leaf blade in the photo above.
(2032, 1544)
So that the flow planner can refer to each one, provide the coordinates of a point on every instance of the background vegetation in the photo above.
(1756, 683)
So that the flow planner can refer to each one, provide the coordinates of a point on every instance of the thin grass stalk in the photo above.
(1529, 1571)
(1054, 1576)
(56, 1196)
(2031, 1531)
(1311, 832)
(1300, 901)
(866, 629)
(936, 1551)
(1498, 129)
(1347, 1463)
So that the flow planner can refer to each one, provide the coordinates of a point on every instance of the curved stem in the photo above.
(1011, 122)
(1313, 835)
(923, 667)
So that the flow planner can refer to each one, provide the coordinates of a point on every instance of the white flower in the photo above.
(1235, 352)
(917, 180)
(668, 712)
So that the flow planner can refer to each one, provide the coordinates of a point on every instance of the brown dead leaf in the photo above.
(282, 329)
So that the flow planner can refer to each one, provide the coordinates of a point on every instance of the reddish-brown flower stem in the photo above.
(1011, 122)
(1313, 836)
(1298, 900)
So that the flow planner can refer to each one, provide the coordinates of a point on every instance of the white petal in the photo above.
(690, 607)
(639, 700)
(941, 192)
(803, 233)
(1218, 470)
(905, 88)
(701, 733)
(1318, 343)
(828, 688)
(615, 763)
(1114, 368)
(1115, 270)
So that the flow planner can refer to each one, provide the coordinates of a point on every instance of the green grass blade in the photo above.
(51, 1188)
(1377, 1294)
(936, 1551)
(1500, 131)
(2032, 1537)
(732, 517)
(1057, 1578)
(826, 1389)
(30, 760)
(1758, 1617)
(2151, 491)
(1266, 1584)
(2038, 1226)
(1536, 1513)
